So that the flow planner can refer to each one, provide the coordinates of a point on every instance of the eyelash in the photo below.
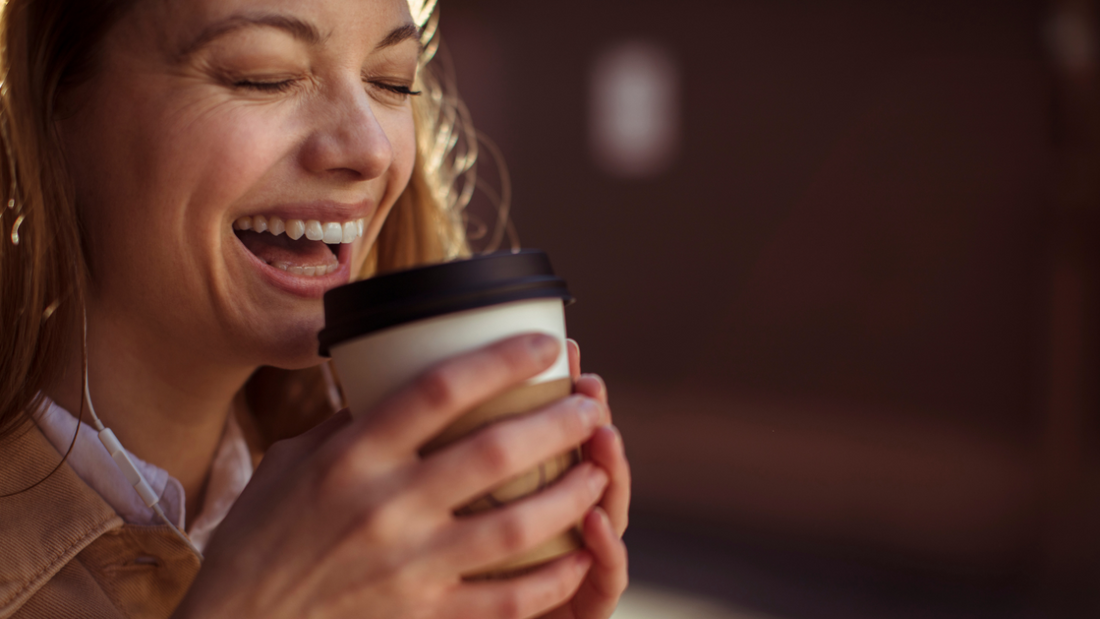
(394, 88)
(264, 86)
(285, 85)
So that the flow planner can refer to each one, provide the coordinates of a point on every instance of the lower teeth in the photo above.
(307, 271)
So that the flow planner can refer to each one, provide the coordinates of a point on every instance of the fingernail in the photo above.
(618, 436)
(597, 481)
(605, 520)
(544, 347)
(601, 387)
(582, 563)
(589, 411)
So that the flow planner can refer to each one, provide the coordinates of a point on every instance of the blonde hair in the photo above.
(426, 223)
(47, 46)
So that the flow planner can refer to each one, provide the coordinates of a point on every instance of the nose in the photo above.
(348, 141)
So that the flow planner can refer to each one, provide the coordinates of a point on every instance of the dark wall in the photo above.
(835, 317)
(857, 212)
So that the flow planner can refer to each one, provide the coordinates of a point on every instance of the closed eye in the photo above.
(397, 89)
(277, 86)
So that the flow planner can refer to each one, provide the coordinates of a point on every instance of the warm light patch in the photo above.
(634, 116)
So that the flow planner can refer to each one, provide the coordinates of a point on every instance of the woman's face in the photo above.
(208, 116)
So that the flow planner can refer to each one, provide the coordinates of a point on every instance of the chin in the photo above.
(296, 350)
(297, 357)
(298, 363)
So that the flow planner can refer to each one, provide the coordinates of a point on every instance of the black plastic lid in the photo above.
(393, 299)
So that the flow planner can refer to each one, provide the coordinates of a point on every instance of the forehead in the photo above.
(179, 22)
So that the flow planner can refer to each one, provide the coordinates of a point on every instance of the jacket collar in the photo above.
(47, 525)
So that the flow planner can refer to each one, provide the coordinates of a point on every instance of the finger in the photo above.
(574, 357)
(591, 385)
(605, 449)
(471, 467)
(476, 543)
(608, 577)
(529, 595)
(410, 417)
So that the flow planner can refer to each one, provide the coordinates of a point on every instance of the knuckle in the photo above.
(385, 522)
(439, 388)
(389, 533)
(513, 534)
(339, 472)
(496, 456)
(511, 604)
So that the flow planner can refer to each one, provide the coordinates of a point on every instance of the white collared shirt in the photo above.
(89, 459)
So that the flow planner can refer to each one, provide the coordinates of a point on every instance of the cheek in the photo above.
(154, 175)
(161, 154)
(401, 132)
(215, 163)
(402, 136)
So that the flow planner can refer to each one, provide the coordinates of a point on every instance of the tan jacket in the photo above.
(65, 553)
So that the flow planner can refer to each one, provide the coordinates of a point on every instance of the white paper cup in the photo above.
(383, 332)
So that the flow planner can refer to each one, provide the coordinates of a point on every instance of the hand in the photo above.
(348, 521)
(605, 524)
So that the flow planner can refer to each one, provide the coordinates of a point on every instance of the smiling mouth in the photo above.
(308, 248)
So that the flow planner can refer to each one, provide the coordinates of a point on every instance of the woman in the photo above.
(169, 163)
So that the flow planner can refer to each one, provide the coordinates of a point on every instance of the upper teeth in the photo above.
(331, 232)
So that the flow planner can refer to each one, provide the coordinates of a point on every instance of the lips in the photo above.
(297, 246)
(302, 255)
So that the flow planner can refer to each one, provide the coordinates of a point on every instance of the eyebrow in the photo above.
(399, 35)
(297, 28)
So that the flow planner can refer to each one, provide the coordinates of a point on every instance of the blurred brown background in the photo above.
(850, 318)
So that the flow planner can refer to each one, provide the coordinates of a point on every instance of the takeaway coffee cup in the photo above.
(384, 331)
